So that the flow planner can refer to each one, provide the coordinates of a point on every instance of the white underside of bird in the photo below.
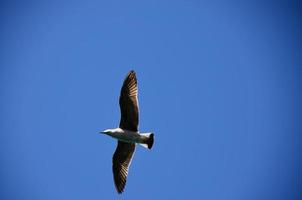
(144, 139)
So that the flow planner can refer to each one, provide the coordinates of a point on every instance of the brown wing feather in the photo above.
(129, 103)
(120, 164)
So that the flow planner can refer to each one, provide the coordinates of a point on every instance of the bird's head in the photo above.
(107, 131)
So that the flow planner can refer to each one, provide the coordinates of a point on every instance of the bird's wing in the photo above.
(120, 164)
(129, 103)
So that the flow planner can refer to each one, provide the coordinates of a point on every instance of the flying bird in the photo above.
(127, 133)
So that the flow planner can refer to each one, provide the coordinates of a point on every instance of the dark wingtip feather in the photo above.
(130, 76)
(119, 190)
(131, 72)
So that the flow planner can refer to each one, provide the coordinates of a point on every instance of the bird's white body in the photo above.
(128, 136)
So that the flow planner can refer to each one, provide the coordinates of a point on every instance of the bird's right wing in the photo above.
(129, 103)
(120, 164)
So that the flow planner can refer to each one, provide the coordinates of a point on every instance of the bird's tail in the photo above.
(149, 140)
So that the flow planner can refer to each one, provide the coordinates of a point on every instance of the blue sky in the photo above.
(219, 84)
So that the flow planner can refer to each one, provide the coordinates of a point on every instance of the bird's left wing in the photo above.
(129, 103)
(120, 164)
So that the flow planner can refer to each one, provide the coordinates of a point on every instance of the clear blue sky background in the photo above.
(219, 84)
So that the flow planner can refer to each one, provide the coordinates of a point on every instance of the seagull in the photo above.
(127, 133)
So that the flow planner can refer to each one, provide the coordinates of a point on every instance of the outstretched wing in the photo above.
(129, 103)
(120, 164)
